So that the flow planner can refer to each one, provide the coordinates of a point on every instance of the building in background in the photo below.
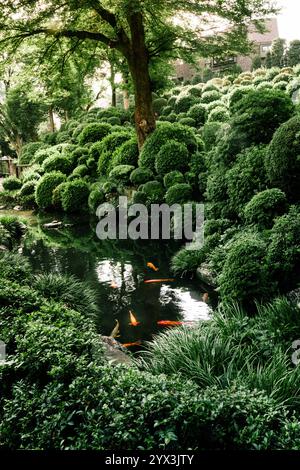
(262, 45)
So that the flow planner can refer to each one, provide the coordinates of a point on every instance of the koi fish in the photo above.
(113, 285)
(128, 345)
(115, 332)
(169, 323)
(150, 281)
(205, 297)
(151, 266)
(133, 320)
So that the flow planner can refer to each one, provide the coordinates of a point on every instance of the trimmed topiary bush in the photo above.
(11, 183)
(158, 104)
(187, 121)
(121, 173)
(209, 96)
(154, 192)
(264, 207)
(96, 197)
(247, 177)
(41, 155)
(184, 103)
(210, 134)
(244, 277)
(114, 121)
(75, 196)
(93, 133)
(172, 156)
(80, 171)
(81, 152)
(26, 194)
(57, 196)
(29, 150)
(283, 254)
(198, 113)
(103, 151)
(45, 187)
(141, 176)
(187, 261)
(58, 163)
(126, 154)
(172, 178)
(218, 114)
(260, 113)
(163, 134)
(179, 194)
(283, 159)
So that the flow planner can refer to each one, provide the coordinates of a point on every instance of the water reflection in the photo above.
(117, 271)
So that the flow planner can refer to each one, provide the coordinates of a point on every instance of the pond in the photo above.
(117, 270)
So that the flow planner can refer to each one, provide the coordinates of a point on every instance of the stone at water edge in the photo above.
(205, 274)
(2, 208)
(17, 208)
(54, 224)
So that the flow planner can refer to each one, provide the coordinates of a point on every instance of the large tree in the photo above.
(293, 53)
(139, 30)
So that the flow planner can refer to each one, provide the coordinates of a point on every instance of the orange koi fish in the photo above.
(205, 297)
(170, 323)
(150, 281)
(113, 285)
(151, 266)
(128, 345)
(133, 320)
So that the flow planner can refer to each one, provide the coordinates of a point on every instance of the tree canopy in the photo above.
(140, 31)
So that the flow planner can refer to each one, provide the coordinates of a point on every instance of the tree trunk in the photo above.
(125, 99)
(139, 68)
(51, 120)
(113, 85)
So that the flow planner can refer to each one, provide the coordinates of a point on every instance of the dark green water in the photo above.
(123, 264)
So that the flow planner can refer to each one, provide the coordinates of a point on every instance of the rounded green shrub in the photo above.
(166, 110)
(283, 159)
(93, 133)
(62, 137)
(244, 277)
(27, 189)
(139, 198)
(154, 192)
(218, 114)
(158, 104)
(198, 113)
(187, 121)
(81, 152)
(264, 207)
(283, 254)
(163, 134)
(187, 261)
(210, 134)
(179, 194)
(57, 163)
(45, 187)
(172, 156)
(11, 183)
(110, 187)
(80, 171)
(141, 176)
(57, 196)
(114, 121)
(126, 154)
(172, 178)
(184, 103)
(41, 155)
(29, 150)
(75, 196)
(121, 173)
(247, 177)
(96, 198)
(103, 151)
(210, 96)
(260, 113)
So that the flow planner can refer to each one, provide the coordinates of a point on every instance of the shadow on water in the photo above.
(117, 271)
